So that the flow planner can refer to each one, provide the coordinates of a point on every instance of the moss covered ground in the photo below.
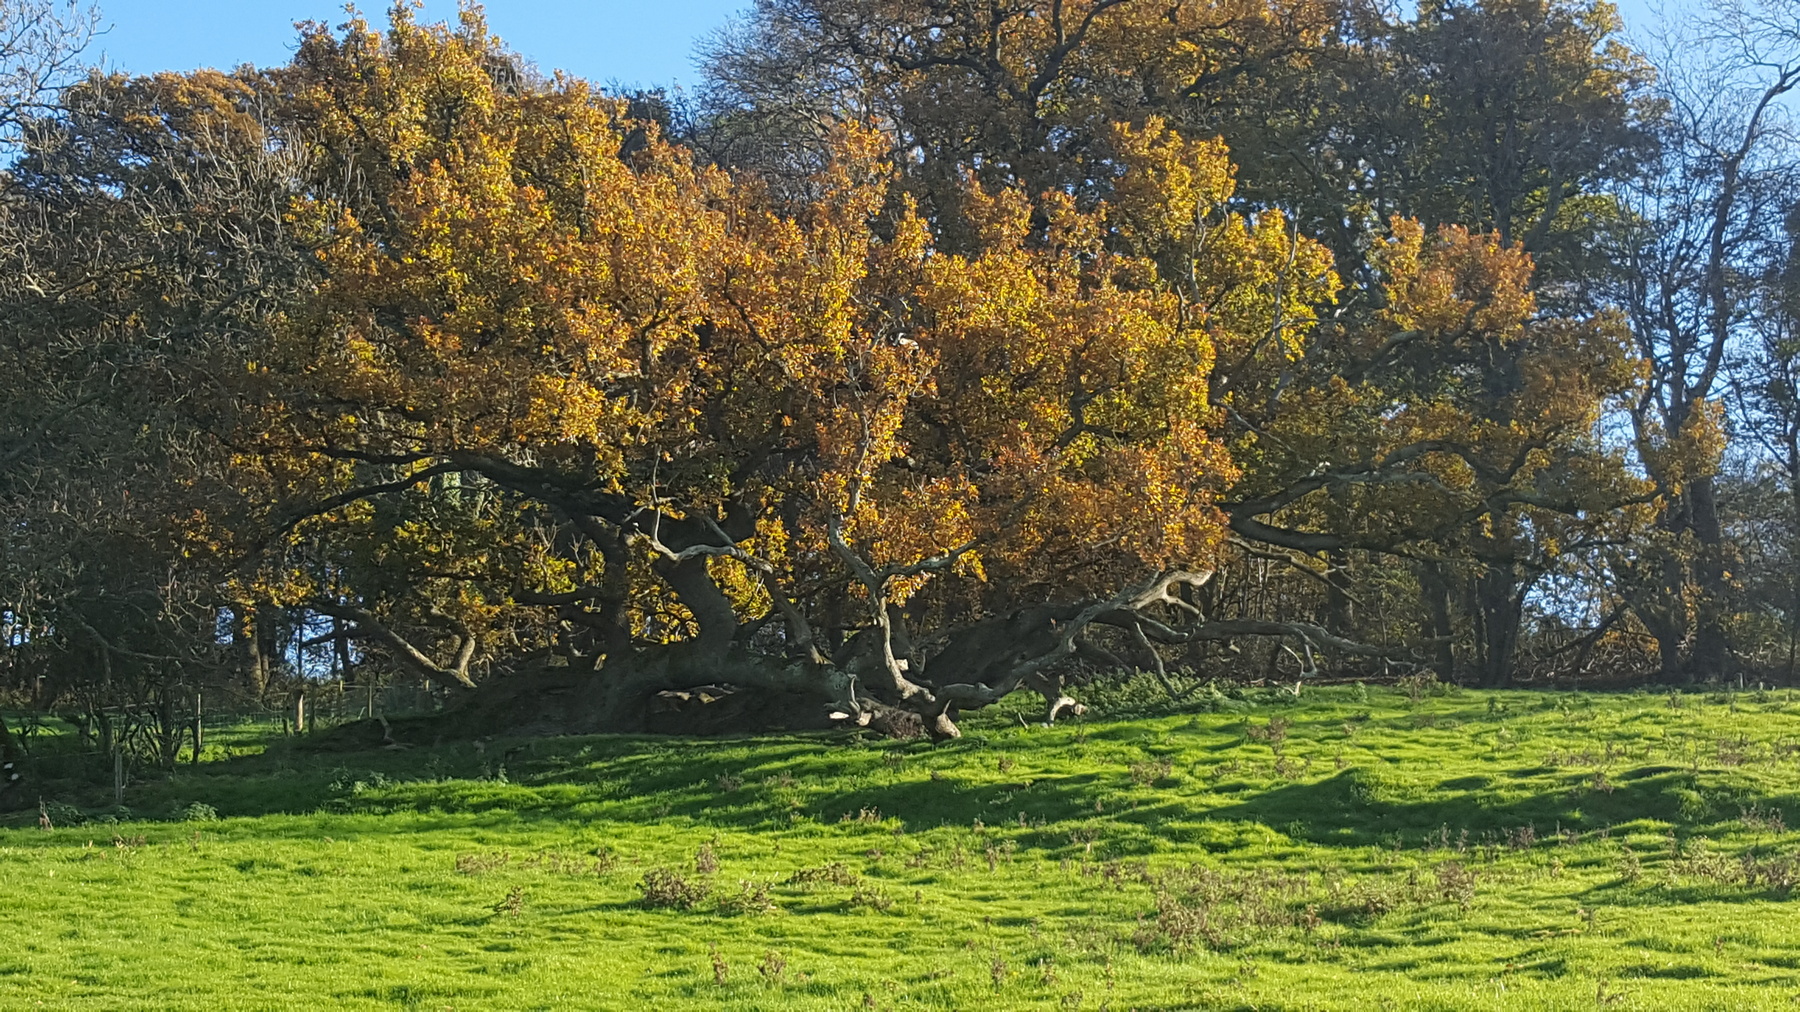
(1348, 849)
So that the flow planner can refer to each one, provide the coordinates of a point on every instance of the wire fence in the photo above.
(56, 749)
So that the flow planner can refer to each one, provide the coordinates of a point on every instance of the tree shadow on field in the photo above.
(1367, 806)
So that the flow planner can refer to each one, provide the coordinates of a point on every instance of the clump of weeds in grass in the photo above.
(752, 897)
(1698, 860)
(1777, 873)
(514, 903)
(995, 853)
(1272, 734)
(1731, 751)
(667, 888)
(558, 864)
(871, 898)
(1146, 773)
(482, 864)
(1456, 881)
(1179, 923)
(773, 967)
(1416, 686)
(834, 873)
(1628, 865)
(706, 860)
(604, 860)
(1766, 820)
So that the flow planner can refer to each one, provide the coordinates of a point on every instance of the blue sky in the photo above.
(641, 42)
(602, 40)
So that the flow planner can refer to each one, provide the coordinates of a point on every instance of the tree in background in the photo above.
(806, 451)
(40, 47)
(1703, 243)
(1514, 118)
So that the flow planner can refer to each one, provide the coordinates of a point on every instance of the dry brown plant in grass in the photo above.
(1776, 873)
(1456, 882)
(1177, 926)
(481, 864)
(706, 860)
(871, 897)
(1522, 837)
(1272, 734)
(1767, 820)
(666, 888)
(1146, 773)
(1629, 868)
(558, 864)
(752, 897)
(835, 873)
(1416, 686)
(514, 903)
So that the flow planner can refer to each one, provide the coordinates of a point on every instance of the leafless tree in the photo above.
(41, 44)
(1705, 227)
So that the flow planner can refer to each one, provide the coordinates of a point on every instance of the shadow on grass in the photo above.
(801, 780)
(1360, 807)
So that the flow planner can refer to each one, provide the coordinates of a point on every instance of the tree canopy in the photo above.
(937, 352)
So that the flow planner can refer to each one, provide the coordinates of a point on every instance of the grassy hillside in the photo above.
(1349, 850)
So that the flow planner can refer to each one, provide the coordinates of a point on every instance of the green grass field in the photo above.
(1349, 850)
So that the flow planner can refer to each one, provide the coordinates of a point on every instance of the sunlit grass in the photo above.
(1347, 850)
